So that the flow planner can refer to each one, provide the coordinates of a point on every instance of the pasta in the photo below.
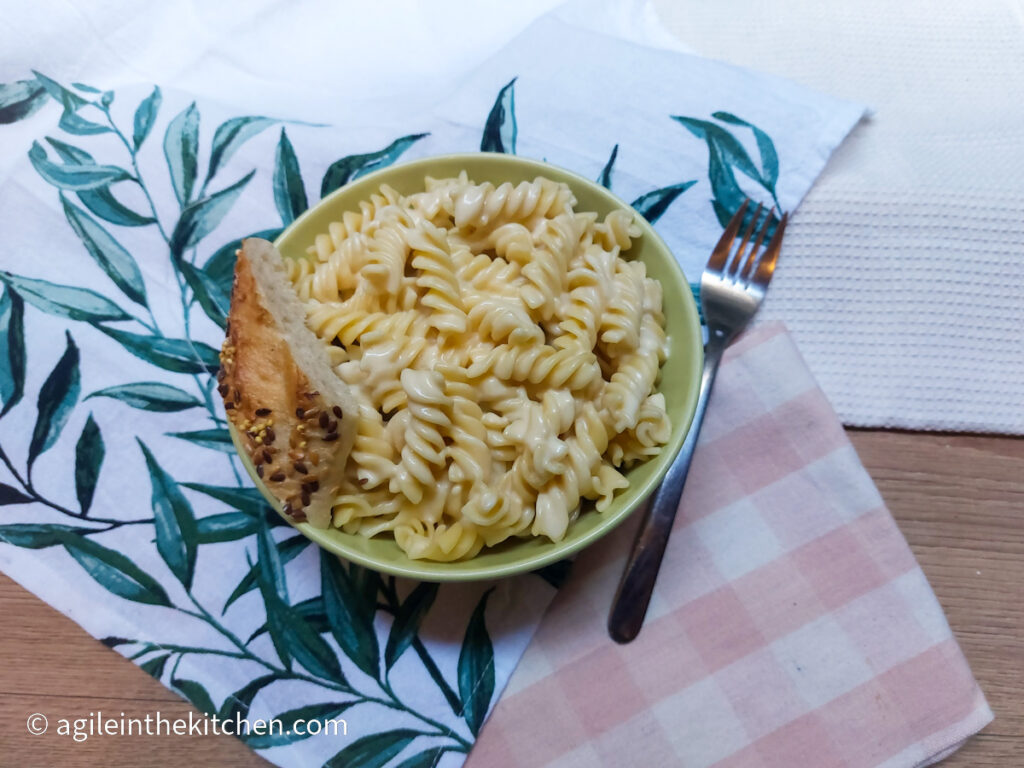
(503, 354)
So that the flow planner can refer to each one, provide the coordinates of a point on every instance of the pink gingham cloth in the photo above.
(791, 626)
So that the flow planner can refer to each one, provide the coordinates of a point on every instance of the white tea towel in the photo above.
(902, 277)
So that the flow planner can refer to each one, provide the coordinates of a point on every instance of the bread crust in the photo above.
(296, 438)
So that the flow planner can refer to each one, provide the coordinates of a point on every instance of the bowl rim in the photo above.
(429, 570)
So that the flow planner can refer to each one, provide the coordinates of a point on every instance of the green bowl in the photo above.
(680, 378)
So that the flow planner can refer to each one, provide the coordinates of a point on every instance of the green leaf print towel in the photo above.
(121, 502)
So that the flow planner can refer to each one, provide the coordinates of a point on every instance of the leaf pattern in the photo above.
(57, 397)
(476, 668)
(201, 217)
(75, 124)
(726, 155)
(289, 193)
(60, 94)
(287, 551)
(350, 619)
(373, 751)
(407, 621)
(177, 355)
(64, 300)
(230, 135)
(145, 116)
(69, 153)
(89, 454)
(181, 148)
(71, 101)
(113, 571)
(156, 665)
(247, 499)
(113, 642)
(237, 704)
(724, 142)
(227, 526)
(33, 535)
(350, 168)
(653, 204)
(150, 396)
(11, 495)
(214, 439)
(112, 257)
(74, 177)
(12, 349)
(270, 578)
(769, 157)
(221, 266)
(211, 295)
(556, 573)
(20, 99)
(195, 693)
(173, 520)
(605, 177)
(500, 130)
(366, 585)
(101, 200)
(311, 609)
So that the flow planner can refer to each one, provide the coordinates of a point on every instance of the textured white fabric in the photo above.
(902, 277)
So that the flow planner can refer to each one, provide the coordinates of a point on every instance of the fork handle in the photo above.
(641, 571)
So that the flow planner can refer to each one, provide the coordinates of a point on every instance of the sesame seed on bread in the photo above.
(295, 416)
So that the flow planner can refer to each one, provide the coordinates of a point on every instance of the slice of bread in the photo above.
(297, 419)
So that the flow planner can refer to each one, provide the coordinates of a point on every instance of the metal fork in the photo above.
(731, 290)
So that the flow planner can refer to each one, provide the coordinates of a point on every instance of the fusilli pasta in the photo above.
(503, 355)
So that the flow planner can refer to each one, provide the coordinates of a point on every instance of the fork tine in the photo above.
(766, 267)
(748, 266)
(734, 264)
(720, 255)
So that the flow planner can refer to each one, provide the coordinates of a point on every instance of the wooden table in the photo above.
(959, 500)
